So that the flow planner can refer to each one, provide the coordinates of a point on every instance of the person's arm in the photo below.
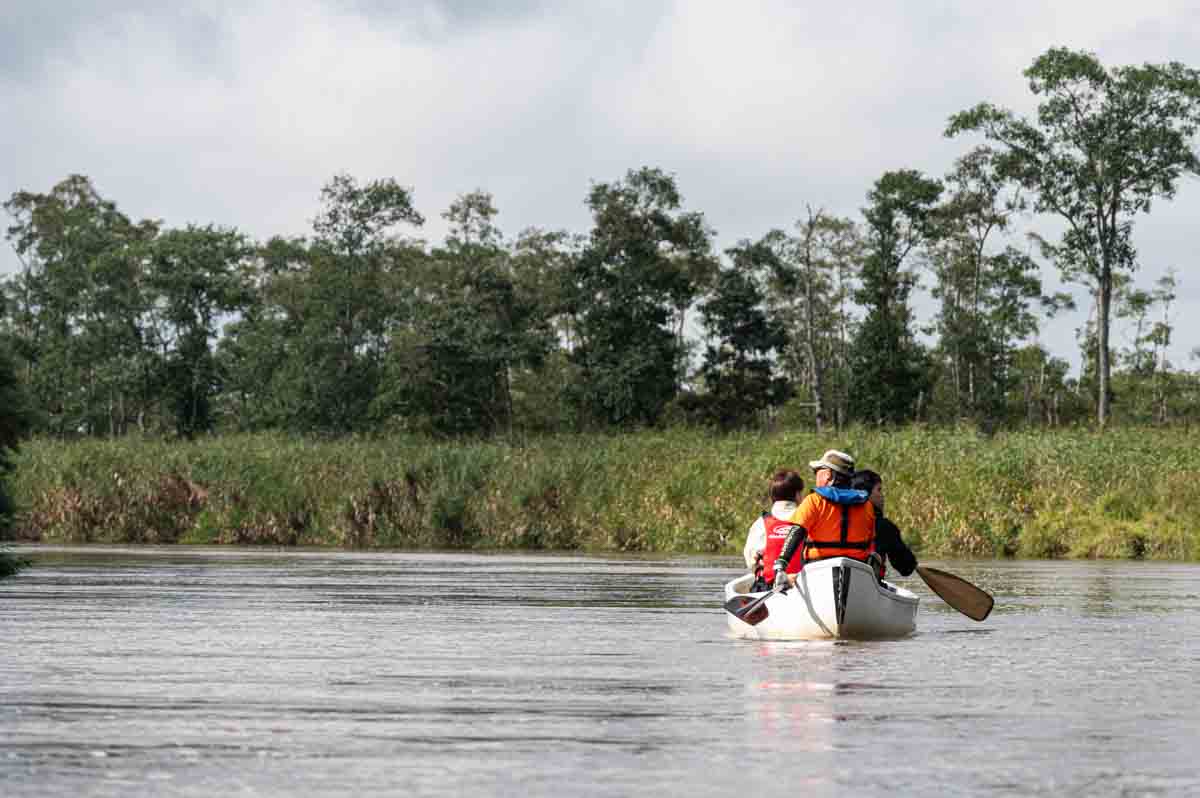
(802, 519)
(889, 542)
(794, 540)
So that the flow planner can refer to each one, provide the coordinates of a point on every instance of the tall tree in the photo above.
(1105, 144)
(987, 298)
(1160, 338)
(1040, 392)
(543, 263)
(974, 212)
(78, 307)
(451, 368)
(199, 276)
(254, 353)
(811, 288)
(645, 262)
(739, 362)
(889, 369)
(1146, 374)
(318, 343)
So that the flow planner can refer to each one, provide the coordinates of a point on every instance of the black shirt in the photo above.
(887, 541)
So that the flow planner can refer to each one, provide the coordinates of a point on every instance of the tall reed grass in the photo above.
(1127, 493)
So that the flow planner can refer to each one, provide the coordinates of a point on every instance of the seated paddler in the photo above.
(785, 491)
(889, 545)
(832, 521)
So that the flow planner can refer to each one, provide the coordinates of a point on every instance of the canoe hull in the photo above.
(838, 598)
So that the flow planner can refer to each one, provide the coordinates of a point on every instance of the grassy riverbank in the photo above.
(1126, 493)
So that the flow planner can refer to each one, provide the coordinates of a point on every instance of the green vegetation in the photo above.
(1127, 493)
(15, 420)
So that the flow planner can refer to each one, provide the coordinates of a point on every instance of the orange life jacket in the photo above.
(836, 530)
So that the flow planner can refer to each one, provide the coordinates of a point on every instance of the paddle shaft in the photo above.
(746, 612)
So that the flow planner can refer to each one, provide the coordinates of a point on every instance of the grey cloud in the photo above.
(36, 36)
(456, 15)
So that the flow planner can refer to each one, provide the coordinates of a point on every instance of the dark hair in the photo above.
(838, 479)
(785, 484)
(865, 480)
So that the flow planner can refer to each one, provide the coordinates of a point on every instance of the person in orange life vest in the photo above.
(832, 521)
(888, 543)
(786, 489)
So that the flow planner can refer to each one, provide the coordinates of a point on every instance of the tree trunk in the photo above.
(818, 370)
(1029, 414)
(1160, 358)
(1102, 358)
(508, 398)
(976, 291)
(840, 410)
(971, 403)
(680, 343)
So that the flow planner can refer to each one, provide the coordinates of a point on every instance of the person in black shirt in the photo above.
(888, 542)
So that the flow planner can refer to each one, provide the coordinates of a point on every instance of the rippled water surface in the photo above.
(200, 672)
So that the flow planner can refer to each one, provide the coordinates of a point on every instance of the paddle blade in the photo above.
(958, 592)
(748, 609)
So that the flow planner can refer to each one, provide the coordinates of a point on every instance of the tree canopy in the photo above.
(115, 326)
(1106, 143)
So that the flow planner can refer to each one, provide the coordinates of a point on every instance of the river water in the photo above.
(218, 672)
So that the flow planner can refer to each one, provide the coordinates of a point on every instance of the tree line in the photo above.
(115, 325)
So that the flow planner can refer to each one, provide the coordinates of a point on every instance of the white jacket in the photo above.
(756, 538)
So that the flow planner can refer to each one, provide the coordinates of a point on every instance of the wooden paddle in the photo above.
(957, 592)
(750, 610)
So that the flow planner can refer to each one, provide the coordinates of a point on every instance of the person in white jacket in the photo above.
(786, 491)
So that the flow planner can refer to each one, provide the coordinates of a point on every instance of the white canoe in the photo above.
(834, 598)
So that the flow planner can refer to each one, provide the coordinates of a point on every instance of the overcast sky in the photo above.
(235, 113)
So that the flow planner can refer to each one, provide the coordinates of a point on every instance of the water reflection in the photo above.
(1098, 598)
